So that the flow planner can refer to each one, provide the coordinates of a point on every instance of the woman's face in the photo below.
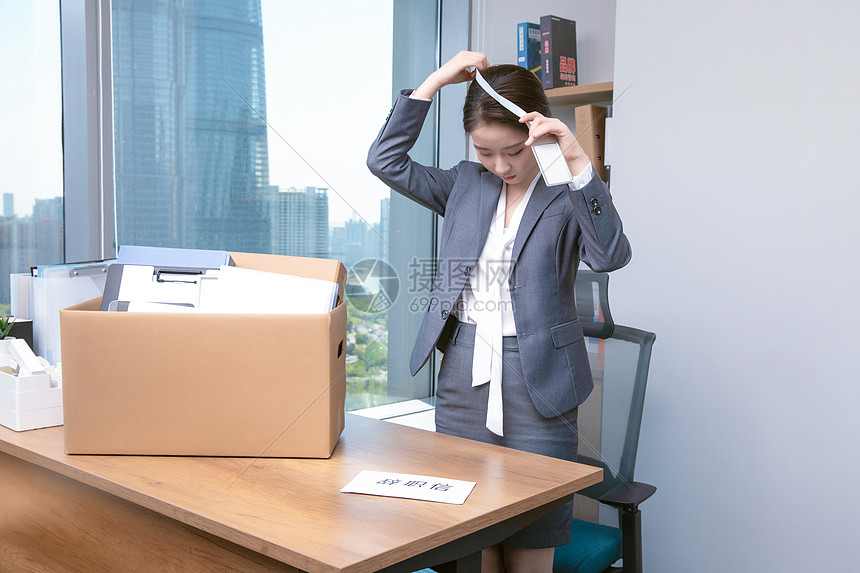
(501, 149)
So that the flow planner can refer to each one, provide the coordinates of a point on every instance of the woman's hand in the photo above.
(540, 125)
(454, 71)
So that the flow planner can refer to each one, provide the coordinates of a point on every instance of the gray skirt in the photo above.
(461, 410)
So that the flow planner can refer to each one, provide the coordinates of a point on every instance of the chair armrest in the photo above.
(628, 495)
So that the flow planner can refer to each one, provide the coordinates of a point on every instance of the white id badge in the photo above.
(552, 165)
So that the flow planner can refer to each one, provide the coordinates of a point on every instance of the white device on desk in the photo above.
(546, 149)
(17, 356)
(29, 398)
(148, 284)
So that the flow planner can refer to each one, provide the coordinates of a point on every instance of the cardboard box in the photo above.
(207, 384)
(590, 122)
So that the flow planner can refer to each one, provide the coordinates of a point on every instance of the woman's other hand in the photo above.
(454, 71)
(540, 125)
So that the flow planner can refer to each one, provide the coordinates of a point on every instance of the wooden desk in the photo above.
(137, 513)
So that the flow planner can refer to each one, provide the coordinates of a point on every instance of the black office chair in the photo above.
(609, 423)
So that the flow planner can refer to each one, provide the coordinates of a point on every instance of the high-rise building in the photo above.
(51, 208)
(359, 239)
(48, 228)
(300, 222)
(191, 155)
(356, 243)
(16, 244)
(8, 205)
(336, 244)
(32, 240)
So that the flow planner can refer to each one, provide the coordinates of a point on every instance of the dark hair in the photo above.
(513, 82)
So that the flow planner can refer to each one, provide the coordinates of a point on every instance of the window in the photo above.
(31, 156)
(245, 126)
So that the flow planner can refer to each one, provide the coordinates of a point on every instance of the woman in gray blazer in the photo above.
(502, 309)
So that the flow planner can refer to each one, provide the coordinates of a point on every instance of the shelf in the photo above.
(580, 95)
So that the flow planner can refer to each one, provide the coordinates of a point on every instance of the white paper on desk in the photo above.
(426, 488)
(240, 290)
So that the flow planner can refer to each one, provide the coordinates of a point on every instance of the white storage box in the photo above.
(29, 399)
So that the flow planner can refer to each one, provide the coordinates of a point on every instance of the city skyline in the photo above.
(37, 238)
(33, 239)
(32, 159)
(191, 75)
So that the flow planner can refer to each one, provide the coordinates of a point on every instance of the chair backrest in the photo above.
(609, 420)
(592, 303)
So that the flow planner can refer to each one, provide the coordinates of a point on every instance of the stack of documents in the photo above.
(234, 289)
(177, 283)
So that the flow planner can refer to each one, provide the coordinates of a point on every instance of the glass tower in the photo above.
(191, 154)
(300, 222)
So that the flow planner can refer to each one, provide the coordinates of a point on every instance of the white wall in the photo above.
(735, 171)
(734, 159)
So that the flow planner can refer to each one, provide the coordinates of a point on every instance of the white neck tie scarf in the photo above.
(487, 281)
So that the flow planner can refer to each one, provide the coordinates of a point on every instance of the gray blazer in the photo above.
(560, 227)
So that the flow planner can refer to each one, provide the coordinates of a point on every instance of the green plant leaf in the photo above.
(6, 323)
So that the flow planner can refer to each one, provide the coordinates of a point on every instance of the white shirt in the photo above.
(467, 300)
(493, 270)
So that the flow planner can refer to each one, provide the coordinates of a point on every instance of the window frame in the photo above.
(88, 182)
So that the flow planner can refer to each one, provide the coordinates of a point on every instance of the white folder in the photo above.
(239, 290)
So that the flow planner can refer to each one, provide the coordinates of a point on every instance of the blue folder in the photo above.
(165, 257)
